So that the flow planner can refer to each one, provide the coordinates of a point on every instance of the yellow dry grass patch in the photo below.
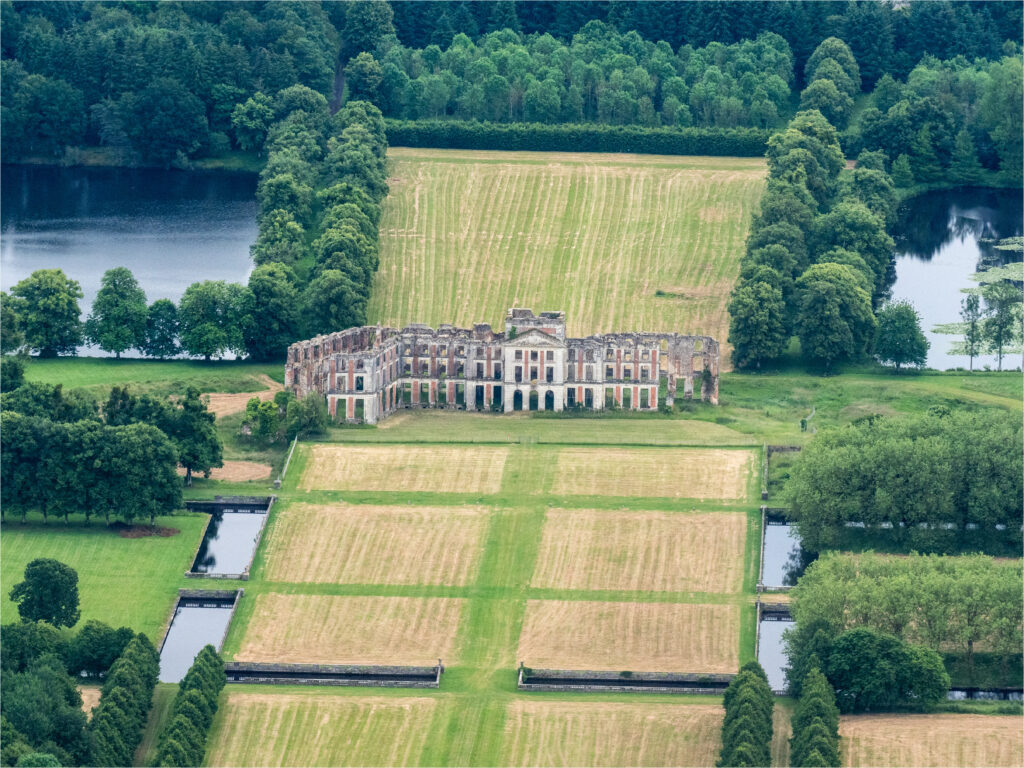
(429, 468)
(319, 729)
(225, 403)
(579, 733)
(640, 637)
(689, 473)
(332, 629)
(366, 544)
(969, 741)
(90, 697)
(649, 551)
(238, 471)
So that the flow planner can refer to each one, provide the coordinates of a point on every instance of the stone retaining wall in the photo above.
(630, 682)
(377, 676)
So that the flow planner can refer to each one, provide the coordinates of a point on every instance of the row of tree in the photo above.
(885, 38)
(87, 468)
(815, 724)
(817, 254)
(62, 457)
(214, 317)
(158, 82)
(747, 726)
(965, 604)
(118, 721)
(937, 482)
(870, 671)
(183, 742)
(601, 76)
(319, 197)
(538, 137)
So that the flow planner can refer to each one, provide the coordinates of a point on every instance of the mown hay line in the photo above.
(639, 637)
(367, 544)
(673, 473)
(425, 468)
(319, 728)
(333, 629)
(644, 551)
(581, 733)
(465, 236)
(923, 741)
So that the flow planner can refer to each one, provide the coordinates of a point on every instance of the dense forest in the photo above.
(883, 37)
(160, 83)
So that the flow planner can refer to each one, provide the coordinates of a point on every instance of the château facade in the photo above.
(370, 372)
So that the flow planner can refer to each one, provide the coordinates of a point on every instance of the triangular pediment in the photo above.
(534, 338)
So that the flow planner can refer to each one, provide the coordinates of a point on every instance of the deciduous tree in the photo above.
(834, 320)
(1002, 326)
(757, 326)
(118, 319)
(49, 593)
(898, 337)
(161, 330)
(47, 306)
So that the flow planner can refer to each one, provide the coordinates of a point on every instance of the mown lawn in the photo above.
(121, 581)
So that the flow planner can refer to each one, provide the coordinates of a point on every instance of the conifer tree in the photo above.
(902, 173)
(965, 168)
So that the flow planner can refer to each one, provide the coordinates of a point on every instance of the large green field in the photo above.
(619, 242)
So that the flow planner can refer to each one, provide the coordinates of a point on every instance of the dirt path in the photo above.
(224, 403)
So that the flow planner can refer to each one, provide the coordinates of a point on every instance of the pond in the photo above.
(938, 247)
(170, 228)
(196, 623)
(782, 555)
(771, 653)
(229, 543)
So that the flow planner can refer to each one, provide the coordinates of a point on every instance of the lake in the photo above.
(170, 228)
(938, 247)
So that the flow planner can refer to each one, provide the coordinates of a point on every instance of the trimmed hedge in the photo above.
(116, 726)
(456, 134)
(815, 740)
(747, 726)
(183, 742)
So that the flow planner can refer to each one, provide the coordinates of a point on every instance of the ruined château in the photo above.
(370, 372)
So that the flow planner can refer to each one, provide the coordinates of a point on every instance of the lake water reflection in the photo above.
(170, 228)
(938, 247)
